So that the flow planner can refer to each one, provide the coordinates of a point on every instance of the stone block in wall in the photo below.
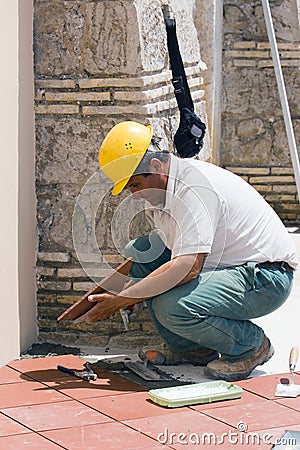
(285, 188)
(281, 151)
(249, 170)
(53, 257)
(93, 37)
(254, 149)
(247, 19)
(82, 286)
(42, 272)
(89, 37)
(57, 109)
(75, 273)
(67, 149)
(272, 179)
(66, 300)
(279, 198)
(264, 189)
(113, 259)
(55, 204)
(54, 285)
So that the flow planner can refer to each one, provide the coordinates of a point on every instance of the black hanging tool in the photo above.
(188, 139)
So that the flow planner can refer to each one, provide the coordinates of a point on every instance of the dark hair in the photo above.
(153, 151)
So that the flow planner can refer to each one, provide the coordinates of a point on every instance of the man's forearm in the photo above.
(171, 274)
(166, 277)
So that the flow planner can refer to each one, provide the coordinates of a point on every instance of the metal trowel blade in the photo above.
(147, 372)
(287, 390)
(290, 389)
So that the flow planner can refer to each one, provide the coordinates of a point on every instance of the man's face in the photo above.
(153, 186)
(147, 187)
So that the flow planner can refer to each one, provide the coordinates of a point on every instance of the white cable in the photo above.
(282, 94)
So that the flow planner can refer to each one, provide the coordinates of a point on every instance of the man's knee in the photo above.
(147, 249)
(170, 310)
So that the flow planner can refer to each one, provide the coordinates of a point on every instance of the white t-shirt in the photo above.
(211, 210)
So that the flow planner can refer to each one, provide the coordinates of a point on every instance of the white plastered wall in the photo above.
(17, 198)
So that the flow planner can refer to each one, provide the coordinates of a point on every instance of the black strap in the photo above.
(188, 139)
(180, 84)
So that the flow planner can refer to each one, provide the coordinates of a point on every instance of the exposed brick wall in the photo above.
(142, 95)
(258, 54)
(60, 284)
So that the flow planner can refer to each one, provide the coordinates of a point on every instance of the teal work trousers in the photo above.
(215, 309)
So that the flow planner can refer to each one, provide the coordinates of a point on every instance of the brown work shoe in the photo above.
(161, 355)
(239, 370)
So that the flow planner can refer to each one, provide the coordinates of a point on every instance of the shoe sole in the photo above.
(237, 376)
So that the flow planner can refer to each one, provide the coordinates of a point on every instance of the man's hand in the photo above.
(171, 274)
(107, 304)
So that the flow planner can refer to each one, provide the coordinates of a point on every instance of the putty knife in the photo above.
(146, 371)
(291, 389)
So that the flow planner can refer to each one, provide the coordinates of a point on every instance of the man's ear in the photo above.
(155, 165)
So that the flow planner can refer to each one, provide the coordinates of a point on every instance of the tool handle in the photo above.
(88, 366)
(66, 370)
(294, 354)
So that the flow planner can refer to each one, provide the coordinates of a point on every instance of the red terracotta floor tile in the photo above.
(112, 436)
(265, 385)
(52, 416)
(183, 429)
(45, 371)
(293, 403)
(255, 416)
(31, 441)
(29, 393)
(49, 405)
(8, 375)
(247, 397)
(33, 364)
(9, 426)
(129, 406)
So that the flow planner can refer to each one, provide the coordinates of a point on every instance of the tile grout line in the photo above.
(122, 423)
(30, 430)
(214, 418)
(50, 440)
(287, 406)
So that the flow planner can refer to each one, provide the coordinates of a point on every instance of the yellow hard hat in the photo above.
(122, 150)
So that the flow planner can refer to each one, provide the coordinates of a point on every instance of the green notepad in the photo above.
(192, 394)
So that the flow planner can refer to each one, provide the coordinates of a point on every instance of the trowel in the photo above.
(290, 389)
(147, 371)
